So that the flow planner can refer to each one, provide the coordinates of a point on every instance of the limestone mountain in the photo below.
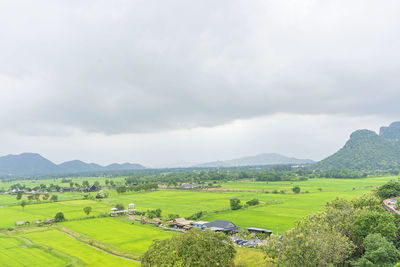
(367, 150)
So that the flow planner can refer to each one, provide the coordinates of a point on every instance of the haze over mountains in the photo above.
(261, 159)
(366, 150)
(35, 164)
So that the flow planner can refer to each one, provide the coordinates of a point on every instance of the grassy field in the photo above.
(84, 254)
(119, 233)
(71, 209)
(16, 251)
(277, 212)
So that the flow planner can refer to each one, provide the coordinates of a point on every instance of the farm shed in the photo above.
(188, 186)
(253, 230)
(199, 224)
(221, 226)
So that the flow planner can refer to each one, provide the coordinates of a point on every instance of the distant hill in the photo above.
(262, 159)
(366, 150)
(27, 164)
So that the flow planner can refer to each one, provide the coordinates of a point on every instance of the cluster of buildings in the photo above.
(216, 226)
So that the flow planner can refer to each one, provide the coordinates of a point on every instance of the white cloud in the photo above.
(142, 70)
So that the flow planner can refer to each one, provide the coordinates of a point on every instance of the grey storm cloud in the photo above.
(140, 66)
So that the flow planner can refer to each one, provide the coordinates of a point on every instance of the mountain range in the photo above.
(367, 150)
(35, 164)
(261, 159)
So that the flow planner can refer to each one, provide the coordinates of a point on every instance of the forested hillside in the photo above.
(367, 150)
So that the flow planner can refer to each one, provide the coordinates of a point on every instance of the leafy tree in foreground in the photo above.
(19, 195)
(235, 204)
(373, 222)
(193, 248)
(388, 190)
(378, 252)
(313, 242)
(59, 217)
(87, 210)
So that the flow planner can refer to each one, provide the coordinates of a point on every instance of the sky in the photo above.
(173, 82)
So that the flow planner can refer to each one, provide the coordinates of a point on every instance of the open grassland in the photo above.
(86, 255)
(71, 209)
(277, 212)
(249, 257)
(184, 203)
(311, 185)
(281, 214)
(15, 251)
(289, 207)
(119, 233)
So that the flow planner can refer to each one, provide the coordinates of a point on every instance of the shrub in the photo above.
(235, 204)
(296, 189)
(59, 217)
(253, 202)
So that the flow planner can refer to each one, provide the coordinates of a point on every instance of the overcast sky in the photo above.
(161, 82)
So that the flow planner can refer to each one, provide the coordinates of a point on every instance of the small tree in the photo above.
(19, 195)
(121, 189)
(87, 210)
(119, 206)
(23, 203)
(59, 217)
(171, 217)
(193, 248)
(235, 204)
(296, 189)
(54, 198)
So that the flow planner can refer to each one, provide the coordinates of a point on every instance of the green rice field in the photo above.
(278, 211)
(119, 233)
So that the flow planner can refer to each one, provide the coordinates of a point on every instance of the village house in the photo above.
(221, 226)
(181, 223)
(256, 231)
(66, 189)
(188, 186)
